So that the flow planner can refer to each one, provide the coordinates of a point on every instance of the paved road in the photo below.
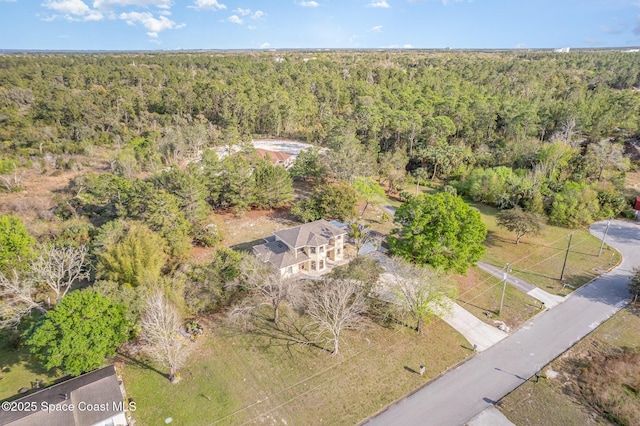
(459, 395)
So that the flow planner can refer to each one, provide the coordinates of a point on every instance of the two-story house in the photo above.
(305, 248)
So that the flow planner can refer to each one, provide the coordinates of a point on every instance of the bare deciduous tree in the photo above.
(265, 283)
(160, 334)
(336, 305)
(12, 182)
(59, 268)
(420, 292)
(17, 299)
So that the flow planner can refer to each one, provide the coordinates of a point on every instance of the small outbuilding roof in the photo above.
(98, 390)
(274, 156)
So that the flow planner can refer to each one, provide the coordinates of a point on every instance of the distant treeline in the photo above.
(401, 99)
(538, 130)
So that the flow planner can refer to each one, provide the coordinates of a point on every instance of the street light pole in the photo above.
(566, 256)
(603, 237)
(507, 269)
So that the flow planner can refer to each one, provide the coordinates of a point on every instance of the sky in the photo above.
(347, 24)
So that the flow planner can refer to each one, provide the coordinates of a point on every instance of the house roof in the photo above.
(278, 254)
(313, 234)
(97, 387)
(275, 156)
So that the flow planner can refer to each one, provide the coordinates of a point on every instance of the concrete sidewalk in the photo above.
(490, 417)
(549, 300)
(474, 330)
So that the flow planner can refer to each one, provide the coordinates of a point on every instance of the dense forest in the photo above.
(534, 132)
(553, 119)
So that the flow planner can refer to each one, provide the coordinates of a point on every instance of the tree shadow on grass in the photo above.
(142, 364)
(248, 245)
(525, 273)
(462, 302)
(493, 240)
(14, 355)
(283, 216)
(573, 282)
(287, 334)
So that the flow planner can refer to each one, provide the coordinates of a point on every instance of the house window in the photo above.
(312, 250)
(290, 270)
(321, 249)
(313, 265)
(321, 264)
(339, 251)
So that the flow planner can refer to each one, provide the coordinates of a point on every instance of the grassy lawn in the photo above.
(539, 259)
(263, 376)
(244, 232)
(19, 370)
(480, 292)
(553, 401)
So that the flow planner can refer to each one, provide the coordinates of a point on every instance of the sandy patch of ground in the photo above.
(278, 145)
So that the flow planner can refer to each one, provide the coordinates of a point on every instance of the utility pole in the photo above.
(507, 269)
(603, 237)
(566, 256)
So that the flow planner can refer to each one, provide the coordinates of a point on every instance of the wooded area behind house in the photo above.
(558, 121)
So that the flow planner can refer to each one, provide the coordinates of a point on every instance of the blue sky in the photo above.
(255, 24)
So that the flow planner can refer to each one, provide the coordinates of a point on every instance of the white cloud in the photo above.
(207, 5)
(235, 19)
(308, 3)
(108, 4)
(72, 10)
(150, 23)
(379, 3)
(242, 11)
(376, 29)
(265, 46)
(258, 14)
(8, 1)
(407, 46)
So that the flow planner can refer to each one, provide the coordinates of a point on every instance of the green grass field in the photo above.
(262, 376)
(539, 259)
(480, 292)
(19, 370)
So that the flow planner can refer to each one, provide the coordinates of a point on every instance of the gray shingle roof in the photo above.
(97, 387)
(310, 234)
(278, 254)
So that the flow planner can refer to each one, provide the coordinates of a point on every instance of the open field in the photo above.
(539, 259)
(262, 376)
(559, 397)
(480, 293)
